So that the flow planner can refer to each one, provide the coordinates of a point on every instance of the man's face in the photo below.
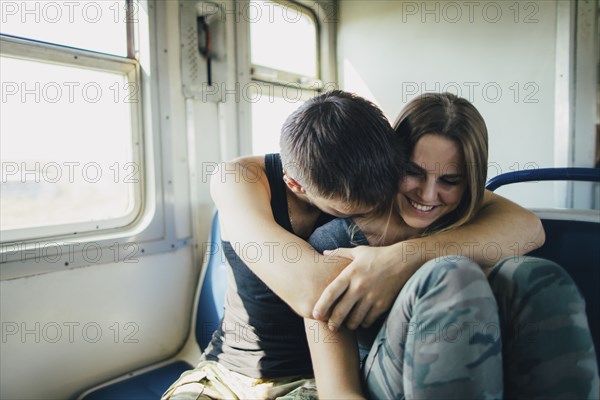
(338, 208)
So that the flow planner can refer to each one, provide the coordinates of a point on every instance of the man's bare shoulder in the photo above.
(243, 177)
(249, 161)
(248, 169)
(241, 181)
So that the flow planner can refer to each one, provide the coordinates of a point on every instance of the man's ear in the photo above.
(293, 184)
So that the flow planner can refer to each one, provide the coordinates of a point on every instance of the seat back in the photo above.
(572, 236)
(575, 245)
(214, 286)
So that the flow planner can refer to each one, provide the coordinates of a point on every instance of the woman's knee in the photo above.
(544, 327)
(451, 272)
(533, 278)
(449, 310)
(537, 298)
(530, 268)
(443, 286)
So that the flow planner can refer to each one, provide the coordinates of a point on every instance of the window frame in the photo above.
(324, 14)
(266, 74)
(25, 49)
(154, 229)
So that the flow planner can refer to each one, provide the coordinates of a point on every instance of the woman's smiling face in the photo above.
(435, 181)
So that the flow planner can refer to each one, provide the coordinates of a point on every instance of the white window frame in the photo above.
(153, 230)
(262, 73)
(48, 53)
(274, 81)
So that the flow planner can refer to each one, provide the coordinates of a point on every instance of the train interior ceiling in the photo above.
(115, 114)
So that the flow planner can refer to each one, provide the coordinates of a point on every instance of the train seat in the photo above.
(572, 236)
(152, 384)
(574, 244)
(149, 385)
(572, 240)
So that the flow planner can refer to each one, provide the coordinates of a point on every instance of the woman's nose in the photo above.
(428, 191)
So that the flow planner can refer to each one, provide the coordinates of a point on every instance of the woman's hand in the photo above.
(366, 288)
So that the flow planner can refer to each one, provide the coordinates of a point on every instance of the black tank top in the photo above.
(260, 335)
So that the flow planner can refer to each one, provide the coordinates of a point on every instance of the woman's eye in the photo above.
(451, 181)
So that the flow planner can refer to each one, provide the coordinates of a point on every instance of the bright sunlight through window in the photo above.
(98, 26)
(283, 37)
(66, 145)
(284, 44)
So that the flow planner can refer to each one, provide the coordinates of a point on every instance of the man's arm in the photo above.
(335, 361)
(285, 263)
(369, 285)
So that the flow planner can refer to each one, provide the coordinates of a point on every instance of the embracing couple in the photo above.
(409, 306)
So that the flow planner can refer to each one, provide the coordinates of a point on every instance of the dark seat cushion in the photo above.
(150, 385)
(575, 245)
(214, 287)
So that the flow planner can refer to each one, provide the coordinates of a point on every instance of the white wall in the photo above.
(501, 60)
(66, 331)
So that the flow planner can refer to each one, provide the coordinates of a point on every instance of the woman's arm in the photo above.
(501, 229)
(369, 285)
(335, 361)
(373, 280)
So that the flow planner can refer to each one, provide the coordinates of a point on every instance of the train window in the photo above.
(98, 26)
(283, 41)
(60, 161)
(70, 126)
(284, 66)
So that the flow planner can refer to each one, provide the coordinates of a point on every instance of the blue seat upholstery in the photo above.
(214, 287)
(575, 245)
(151, 385)
(571, 241)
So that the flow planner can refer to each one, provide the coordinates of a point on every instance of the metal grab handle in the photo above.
(545, 174)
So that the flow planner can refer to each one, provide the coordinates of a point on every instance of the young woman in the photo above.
(455, 328)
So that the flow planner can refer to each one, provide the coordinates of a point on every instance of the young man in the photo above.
(339, 155)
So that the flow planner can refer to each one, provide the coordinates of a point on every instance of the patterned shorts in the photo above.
(210, 380)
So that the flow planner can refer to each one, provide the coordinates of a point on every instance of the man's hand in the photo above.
(365, 289)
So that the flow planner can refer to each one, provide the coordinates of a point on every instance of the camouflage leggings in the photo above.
(520, 333)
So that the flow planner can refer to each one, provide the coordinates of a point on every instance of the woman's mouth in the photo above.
(420, 207)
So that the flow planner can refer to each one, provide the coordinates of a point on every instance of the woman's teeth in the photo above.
(421, 207)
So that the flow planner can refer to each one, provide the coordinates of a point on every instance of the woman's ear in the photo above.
(293, 184)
